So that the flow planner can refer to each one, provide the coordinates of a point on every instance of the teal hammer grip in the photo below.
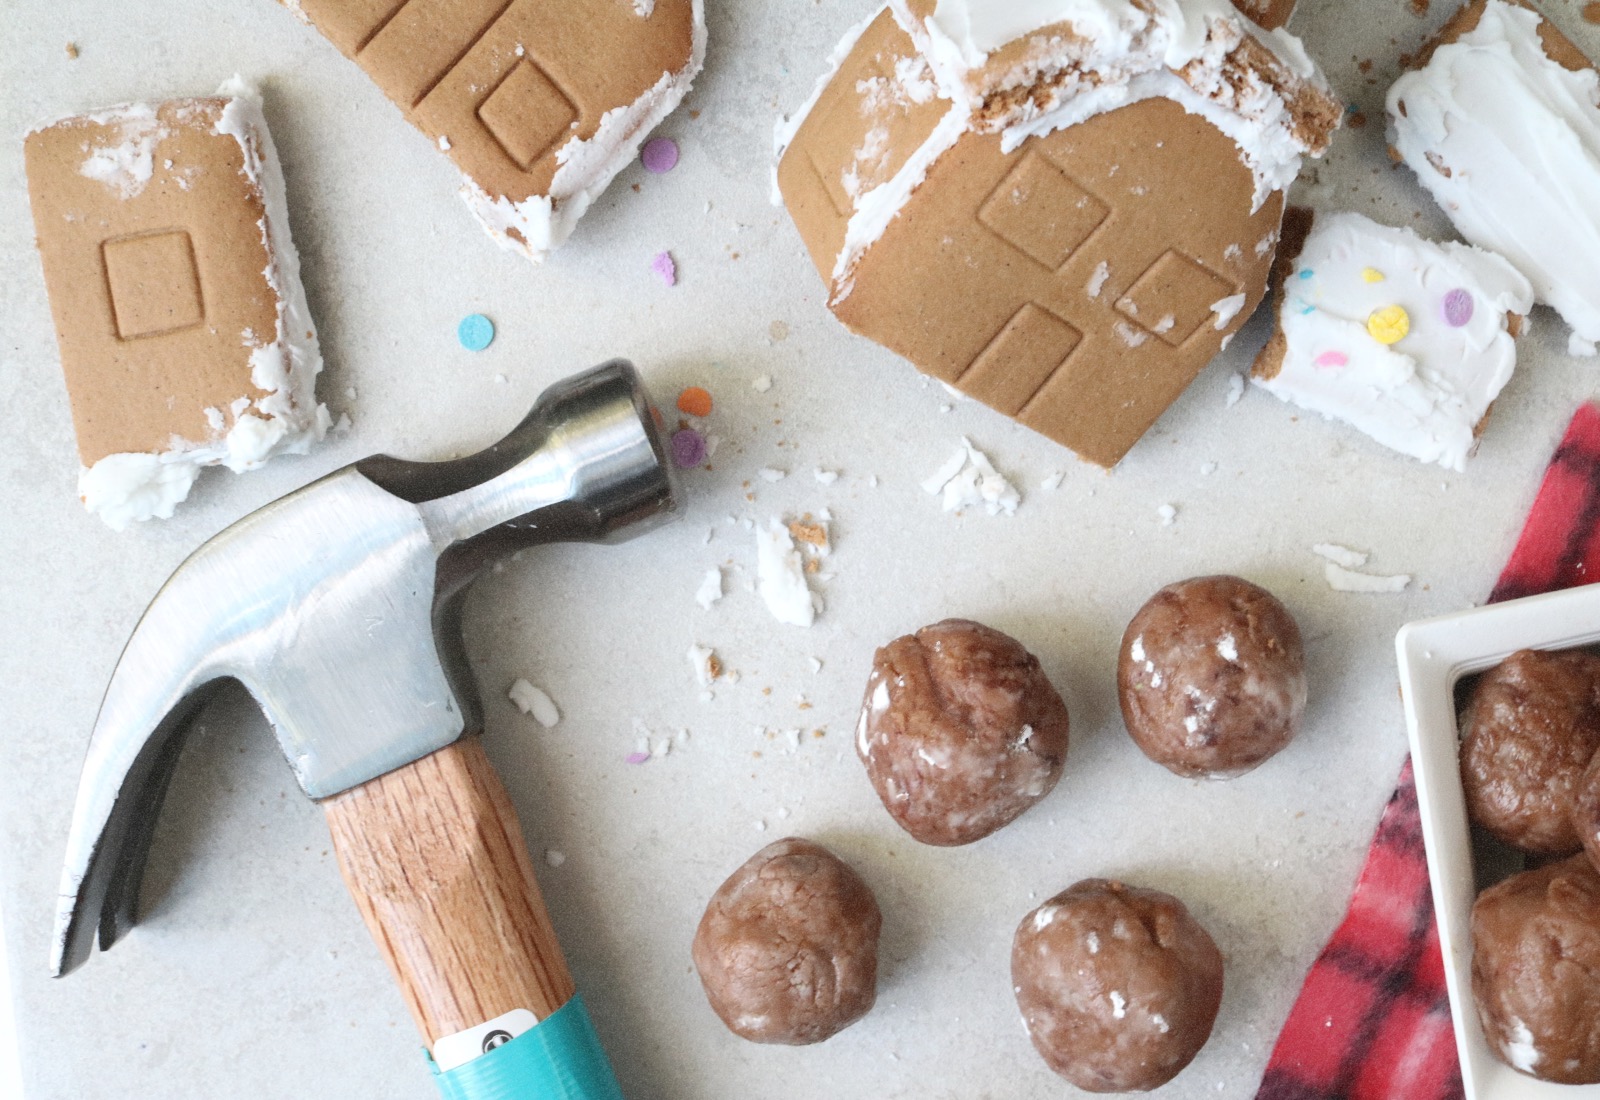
(560, 1059)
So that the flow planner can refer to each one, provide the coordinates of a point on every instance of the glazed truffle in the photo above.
(960, 731)
(1586, 814)
(1212, 677)
(1536, 971)
(788, 948)
(1119, 987)
(1530, 727)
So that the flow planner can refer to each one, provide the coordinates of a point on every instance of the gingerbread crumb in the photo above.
(72, 49)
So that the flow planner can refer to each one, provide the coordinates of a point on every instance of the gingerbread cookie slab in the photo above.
(539, 103)
(1067, 226)
(175, 289)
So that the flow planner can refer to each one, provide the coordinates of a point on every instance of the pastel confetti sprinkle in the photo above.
(475, 332)
(663, 266)
(1306, 274)
(1458, 307)
(694, 401)
(636, 758)
(1371, 275)
(1389, 325)
(688, 448)
(1331, 360)
(659, 155)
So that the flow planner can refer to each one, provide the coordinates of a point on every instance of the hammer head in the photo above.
(338, 608)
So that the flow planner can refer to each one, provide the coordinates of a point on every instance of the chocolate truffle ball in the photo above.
(960, 731)
(788, 948)
(1530, 727)
(1118, 986)
(1536, 971)
(1586, 814)
(1212, 677)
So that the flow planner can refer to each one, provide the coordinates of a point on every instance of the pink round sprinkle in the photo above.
(636, 758)
(1331, 360)
(1458, 307)
(688, 448)
(659, 155)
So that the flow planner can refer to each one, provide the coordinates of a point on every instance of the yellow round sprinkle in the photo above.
(1389, 325)
(1372, 275)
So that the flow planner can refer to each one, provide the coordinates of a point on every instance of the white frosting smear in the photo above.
(286, 418)
(1508, 143)
(1425, 393)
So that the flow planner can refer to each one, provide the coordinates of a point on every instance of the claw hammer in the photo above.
(338, 607)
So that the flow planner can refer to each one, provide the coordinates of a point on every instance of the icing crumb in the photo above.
(1052, 481)
(707, 665)
(1341, 579)
(1097, 281)
(825, 477)
(1226, 310)
(554, 857)
(534, 702)
(968, 479)
(781, 577)
(710, 590)
(762, 383)
(768, 473)
(1235, 390)
(1168, 514)
(1340, 555)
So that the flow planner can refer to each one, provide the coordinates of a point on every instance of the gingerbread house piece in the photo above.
(540, 103)
(1067, 225)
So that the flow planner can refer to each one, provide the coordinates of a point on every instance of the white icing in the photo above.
(1228, 648)
(968, 479)
(587, 165)
(286, 419)
(1223, 312)
(533, 701)
(1519, 136)
(1119, 1005)
(1340, 555)
(126, 163)
(1519, 1049)
(1341, 579)
(710, 590)
(700, 659)
(1425, 394)
(781, 577)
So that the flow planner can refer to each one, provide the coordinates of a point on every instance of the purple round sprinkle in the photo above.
(659, 155)
(1458, 307)
(688, 448)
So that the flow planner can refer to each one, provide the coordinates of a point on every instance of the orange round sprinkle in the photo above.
(695, 401)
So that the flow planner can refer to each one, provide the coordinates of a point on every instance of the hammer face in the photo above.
(337, 608)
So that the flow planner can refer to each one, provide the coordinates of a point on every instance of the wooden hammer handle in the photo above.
(435, 859)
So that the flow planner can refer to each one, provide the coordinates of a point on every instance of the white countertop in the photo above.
(252, 975)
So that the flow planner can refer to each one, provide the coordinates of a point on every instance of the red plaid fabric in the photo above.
(1372, 1021)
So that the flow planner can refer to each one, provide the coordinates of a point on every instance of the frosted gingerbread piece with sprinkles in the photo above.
(1501, 124)
(1405, 339)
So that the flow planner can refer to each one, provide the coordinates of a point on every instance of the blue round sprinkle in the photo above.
(475, 332)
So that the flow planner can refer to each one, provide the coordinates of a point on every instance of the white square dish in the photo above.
(1434, 656)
